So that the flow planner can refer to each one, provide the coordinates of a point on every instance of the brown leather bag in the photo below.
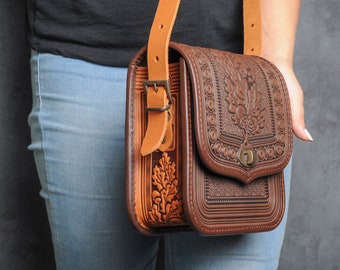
(208, 134)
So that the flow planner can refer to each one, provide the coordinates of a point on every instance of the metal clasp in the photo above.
(248, 157)
(155, 83)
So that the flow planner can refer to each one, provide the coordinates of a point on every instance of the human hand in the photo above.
(296, 101)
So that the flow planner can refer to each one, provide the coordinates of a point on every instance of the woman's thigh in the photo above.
(257, 251)
(77, 126)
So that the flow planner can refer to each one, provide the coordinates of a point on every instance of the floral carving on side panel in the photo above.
(166, 196)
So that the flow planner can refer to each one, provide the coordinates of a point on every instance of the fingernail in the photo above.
(308, 135)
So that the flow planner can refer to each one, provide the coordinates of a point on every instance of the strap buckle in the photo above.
(155, 83)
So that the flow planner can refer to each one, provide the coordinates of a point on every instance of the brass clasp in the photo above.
(248, 157)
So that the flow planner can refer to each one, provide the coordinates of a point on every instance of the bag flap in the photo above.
(242, 113)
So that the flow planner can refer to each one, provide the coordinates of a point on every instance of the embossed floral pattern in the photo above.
(251, 109)
(166, 198)
(244, 99)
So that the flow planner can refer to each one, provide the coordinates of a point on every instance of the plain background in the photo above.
(313, 234)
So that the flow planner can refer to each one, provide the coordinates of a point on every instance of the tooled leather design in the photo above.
(275, 150)
(212, 194)
(255, 206)
(244, 100)
(224, 190)
(243, 108)
(166, 195)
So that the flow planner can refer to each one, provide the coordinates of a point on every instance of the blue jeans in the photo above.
(77, 127)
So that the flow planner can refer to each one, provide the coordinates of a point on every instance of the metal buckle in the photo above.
(155, 83)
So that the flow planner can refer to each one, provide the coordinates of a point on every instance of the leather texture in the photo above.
(153, 181)
(222, 173)
(158, 44)
(252, 27)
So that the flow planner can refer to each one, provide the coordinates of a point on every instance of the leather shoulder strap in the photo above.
(252, 27)
(162, 27)
(157, 86)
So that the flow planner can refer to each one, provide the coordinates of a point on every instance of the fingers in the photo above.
(299, 126)
(296, 103)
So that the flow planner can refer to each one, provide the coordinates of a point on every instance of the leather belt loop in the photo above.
(252, 27)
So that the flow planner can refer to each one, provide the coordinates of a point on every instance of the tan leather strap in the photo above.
(159, 130)
(252, 27)
(158, 89)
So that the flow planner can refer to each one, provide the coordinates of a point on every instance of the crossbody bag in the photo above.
(208, 134)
